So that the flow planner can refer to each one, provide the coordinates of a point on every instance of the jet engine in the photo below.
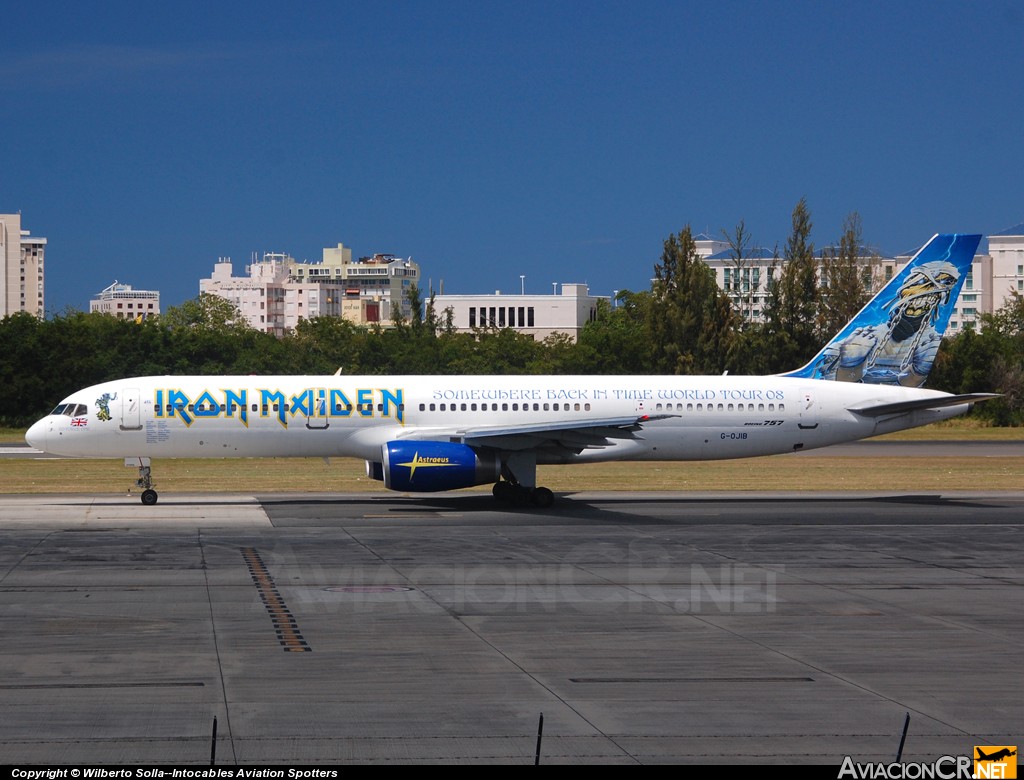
(429, 466)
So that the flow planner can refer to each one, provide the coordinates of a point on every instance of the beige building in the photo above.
(22, 270)
(370, 287)
(1006, 250)
(993, 277)
(746, 281)
(279, 291)
(121, 301)
(536, 315)
(992, 280)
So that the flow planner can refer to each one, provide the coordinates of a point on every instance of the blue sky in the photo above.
(560, 140)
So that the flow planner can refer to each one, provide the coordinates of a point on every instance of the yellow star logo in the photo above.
(418, 462)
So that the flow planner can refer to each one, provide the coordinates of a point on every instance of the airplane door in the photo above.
(131, 410)
(319, 420)
(808, 409)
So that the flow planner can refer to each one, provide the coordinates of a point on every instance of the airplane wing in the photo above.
(937, 402)
(571, 435)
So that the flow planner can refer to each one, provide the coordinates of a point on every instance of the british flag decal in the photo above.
(79, 422)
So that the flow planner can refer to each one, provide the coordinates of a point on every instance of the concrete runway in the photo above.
(647, 628)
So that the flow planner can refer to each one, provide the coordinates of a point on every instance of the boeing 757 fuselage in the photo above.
(430, 433)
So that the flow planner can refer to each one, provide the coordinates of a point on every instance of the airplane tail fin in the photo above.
(893, 340)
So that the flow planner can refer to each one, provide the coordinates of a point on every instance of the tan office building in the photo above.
(21, 274)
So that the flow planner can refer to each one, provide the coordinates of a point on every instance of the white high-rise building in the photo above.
(21, 268)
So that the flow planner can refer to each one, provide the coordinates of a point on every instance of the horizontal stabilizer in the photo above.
(923, 403)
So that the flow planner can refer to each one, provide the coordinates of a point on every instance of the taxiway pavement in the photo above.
(374, 629)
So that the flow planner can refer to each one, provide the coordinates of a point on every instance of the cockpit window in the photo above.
(71, 410)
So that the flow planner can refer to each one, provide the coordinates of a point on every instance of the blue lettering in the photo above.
(179, 405)
(238, 399)
(303, 402)
(364, 398)
(267, 398)
(205, 406)
(340, 405)
(388, 398)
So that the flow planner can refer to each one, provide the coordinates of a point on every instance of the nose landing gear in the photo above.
(145, 480)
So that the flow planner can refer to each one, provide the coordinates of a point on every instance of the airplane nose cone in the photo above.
(36, 436)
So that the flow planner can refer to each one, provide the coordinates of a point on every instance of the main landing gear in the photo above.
(519, 482)
(521, 496)
(145, 480)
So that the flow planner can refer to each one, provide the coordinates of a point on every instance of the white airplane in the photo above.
(432, 433)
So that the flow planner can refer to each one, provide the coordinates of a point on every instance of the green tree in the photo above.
(743, 284)
(206, 312)
(324, 345)
(846, 278)
(617, 340)
(790, 332)
(690, 320)
(988, 361)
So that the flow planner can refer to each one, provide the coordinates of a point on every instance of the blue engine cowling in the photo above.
(430, 466)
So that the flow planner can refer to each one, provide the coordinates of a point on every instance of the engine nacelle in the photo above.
(430, 466)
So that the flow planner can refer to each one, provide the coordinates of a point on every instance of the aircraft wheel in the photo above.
(543, 497)
(503, 491)
(149, 497)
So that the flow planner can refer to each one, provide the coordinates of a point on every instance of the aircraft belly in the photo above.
(172, 439)
(720, 442)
